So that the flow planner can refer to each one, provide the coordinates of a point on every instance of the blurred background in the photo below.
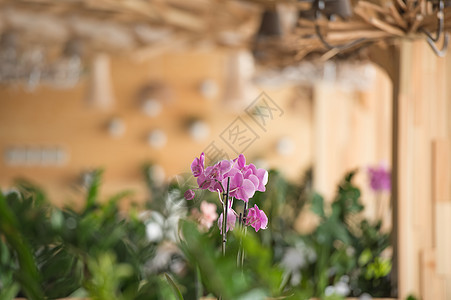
(297, 86)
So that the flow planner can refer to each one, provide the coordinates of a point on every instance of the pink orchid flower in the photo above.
(241, 181)
(189, 195)
(208, 214)
(213, 175)
(241, 188)
(380, 179)
(231, 220)
(197, 166)
(257, 218)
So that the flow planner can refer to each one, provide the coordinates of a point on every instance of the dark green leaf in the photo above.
(174, 287)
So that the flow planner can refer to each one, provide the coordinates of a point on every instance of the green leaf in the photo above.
(9, 292)
(350, 175)
(93, 189)
(318, 205)
(341, 234)
(365, 257)
(377, 269)
(199, 288)
(176, 290)
(28, 275)
(254, 294)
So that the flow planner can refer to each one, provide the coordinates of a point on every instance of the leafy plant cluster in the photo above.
(103, 253)
(345, 254)
(47, 252)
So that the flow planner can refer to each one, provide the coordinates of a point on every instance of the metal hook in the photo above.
(439, 52)
(321, 6)
(440, 26)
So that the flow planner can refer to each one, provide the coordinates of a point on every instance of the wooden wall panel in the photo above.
(422, 173)
(48, 117)
(432, 285)
(352, 129)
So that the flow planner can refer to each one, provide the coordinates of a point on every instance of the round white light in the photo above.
(199, 130)
(116, 127)
(157, 139)
(157, 174)
(285, 146)
(152, 107)
(208, 88)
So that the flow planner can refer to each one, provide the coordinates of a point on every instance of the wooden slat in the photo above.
(408, 281)
(422, 175)
(448, 287)
(443, 237)
(432, 285)
(441, 177)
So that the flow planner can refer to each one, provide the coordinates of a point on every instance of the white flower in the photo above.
(154, 232)
(342, 288)
(293, 259)
(329, 291)
(164, 225)
(163, 257)
(365, 296)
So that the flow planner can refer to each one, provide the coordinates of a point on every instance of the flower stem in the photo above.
(224, 216)
(245, 230)
(241, 227)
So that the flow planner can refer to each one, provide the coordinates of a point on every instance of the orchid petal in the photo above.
(225, 166)
(254, 180)
(247, 173)
(253, 168)
(262, 175)
(231, 220)
(202, 159)
(230, 173)
(247, 190)
(189, 194)
(237, 180)
(263, 220)
(257, 218)
(241, 161)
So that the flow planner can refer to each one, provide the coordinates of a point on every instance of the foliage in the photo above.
(344, 255)
(104, 253)
(48, 252)
(220, 274)
(344, 251)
